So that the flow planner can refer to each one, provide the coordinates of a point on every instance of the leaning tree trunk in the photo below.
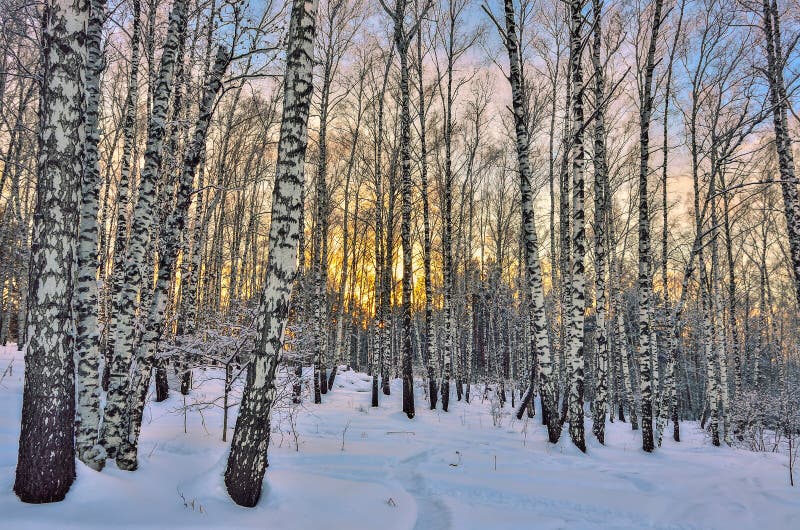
(248, 456)
(168, 248)
(192, 255)
(46, 461)
(120, 239)
(142, 224)
(87, 336)
(783, 145)
(532, 265)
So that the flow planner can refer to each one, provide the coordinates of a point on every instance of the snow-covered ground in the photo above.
(355, 467)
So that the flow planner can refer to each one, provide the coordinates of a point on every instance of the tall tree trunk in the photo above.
(387, 293)
(402, 40)
(405, 229)
(248, 456)
(600, 221)
(429, 343)
(533, 266)
(783, 145)
(46, 460)
(578, 281)
(447, 222)
(670, 382)
(87, 335)
(645, 278)
(168, 247)
(380, 349)
(114, 419)
(565, 253)
(732, 299)
(319, 258)
(718, 392)
(120, 239)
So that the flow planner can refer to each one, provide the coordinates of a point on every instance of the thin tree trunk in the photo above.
(381, 281)
(340, 339)
(600, 221)
(120, 239)
(670, 383)
(447, 223)
(169, 246)
(114, 420)
(533, 266)
(783, 145)
(429, 344)
(645, 283)
(319, 258)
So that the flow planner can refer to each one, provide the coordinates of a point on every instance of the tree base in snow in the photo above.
(94, 457)
(126, 459)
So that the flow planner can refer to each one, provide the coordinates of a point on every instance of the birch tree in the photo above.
(247, 459)
(336, 34)
(114, 414)
(578, 282)
(644, 282)
(779, 102)
(120, 239)
(429, 351)
(168, 247)
(532, 263)
(46, 458)
(87, 339)
(600, 221)
(402, 40)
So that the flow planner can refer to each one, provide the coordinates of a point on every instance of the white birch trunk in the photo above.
(645, 280)
(532, 265)
(114, 419)
(46, 459)
(600, 221)
(578, 284)
(248, 456)
(168, 247)
(783, 145)
(120, 238)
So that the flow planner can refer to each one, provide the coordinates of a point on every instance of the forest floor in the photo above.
(346, 466)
